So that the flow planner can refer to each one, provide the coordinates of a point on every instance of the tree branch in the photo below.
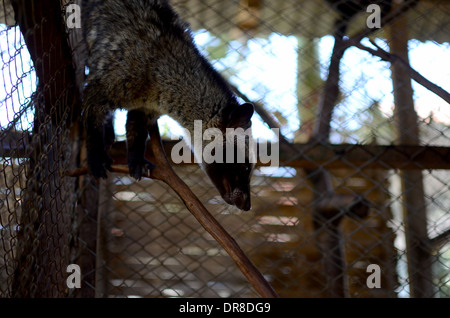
(438, 241)
(393, 14)
(165, 173)
(392, 58)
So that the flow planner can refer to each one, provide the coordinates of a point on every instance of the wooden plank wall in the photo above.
(155, 248)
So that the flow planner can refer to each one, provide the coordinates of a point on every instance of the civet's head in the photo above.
(231, 175)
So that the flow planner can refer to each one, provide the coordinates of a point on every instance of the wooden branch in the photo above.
(328, 238)
(42, 250)
(386, 56)
(330, 92)
(42, 27)
(351, 156)
(438, 241)
(165, 173)
(345, 204)
(418, 254)
(326, 224)
(398, 11)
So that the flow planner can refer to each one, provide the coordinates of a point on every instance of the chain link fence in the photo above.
(367, 182)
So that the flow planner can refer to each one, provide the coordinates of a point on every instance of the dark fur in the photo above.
(141, 57)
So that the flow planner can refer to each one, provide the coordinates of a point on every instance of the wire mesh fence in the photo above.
(37, 200)
(367, 182)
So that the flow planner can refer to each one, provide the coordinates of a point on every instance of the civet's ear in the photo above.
(241, 116)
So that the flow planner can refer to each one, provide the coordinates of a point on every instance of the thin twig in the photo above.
(392, 58)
